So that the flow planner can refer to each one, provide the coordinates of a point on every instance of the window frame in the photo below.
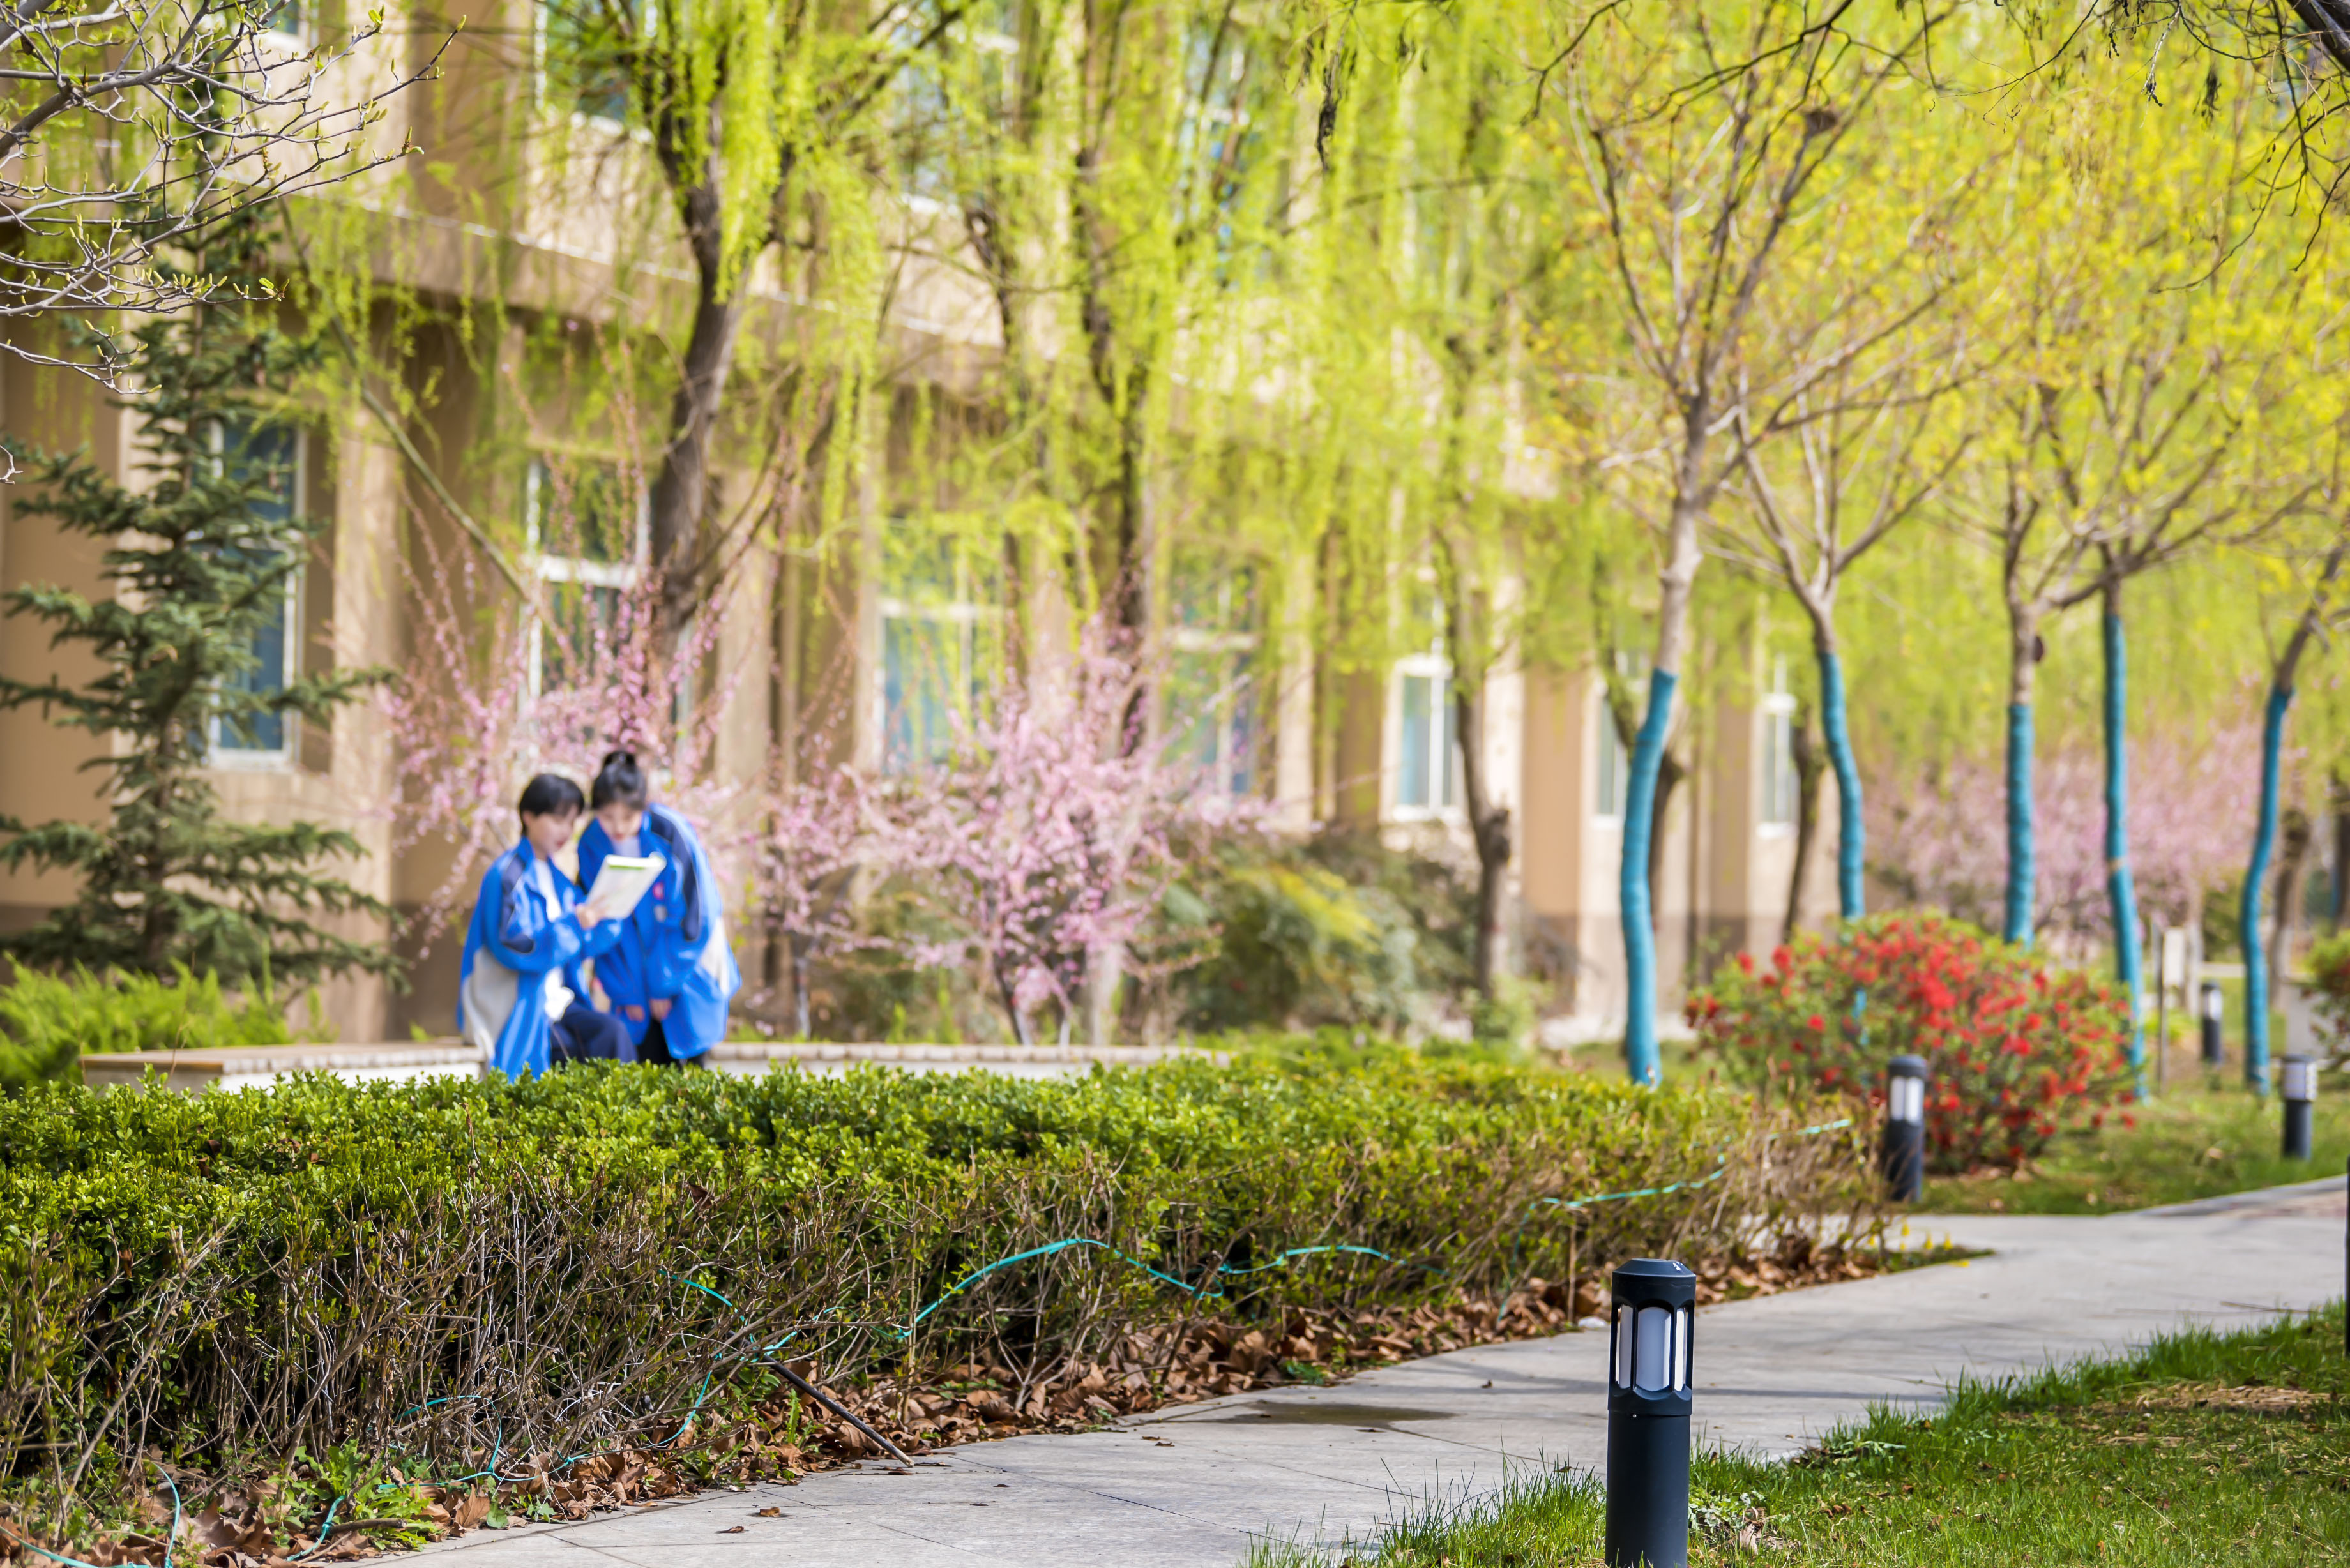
(1775, 770)
(619, 576)
(1444, 804)
(219, 752)
(572, 115)
(1611, 761)
(961, 610)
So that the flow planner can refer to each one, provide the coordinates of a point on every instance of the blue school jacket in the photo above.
(674, 944)
(512, 944)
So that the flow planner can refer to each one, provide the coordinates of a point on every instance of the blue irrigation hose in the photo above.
(1518, 1235)
(1198, 1291)
(977, 1274)
(169, 1541)
(326, 1531)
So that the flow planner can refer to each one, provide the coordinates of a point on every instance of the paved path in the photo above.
(1190, 1488)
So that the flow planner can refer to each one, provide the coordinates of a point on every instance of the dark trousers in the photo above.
(584, 1034)
(655, 1045)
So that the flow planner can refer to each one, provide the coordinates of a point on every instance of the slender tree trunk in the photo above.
(800, 946)
(1676, 581)
(2298, 836)
(2256, 876)
(1810, 766)
(680, 492)
(1489, 828)
(1671, 772)
(1003, 988)
(2121, 889)
(2338, 813)
(1852, 832)
(2248, 913)
(2023, 654)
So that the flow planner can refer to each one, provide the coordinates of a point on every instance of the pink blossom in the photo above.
(1938, 834)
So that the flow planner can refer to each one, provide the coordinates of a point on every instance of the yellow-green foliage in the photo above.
(50, 1021)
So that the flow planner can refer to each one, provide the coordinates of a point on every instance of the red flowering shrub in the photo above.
(2018, 1048)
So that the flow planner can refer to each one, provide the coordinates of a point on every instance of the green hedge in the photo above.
(458, 1269)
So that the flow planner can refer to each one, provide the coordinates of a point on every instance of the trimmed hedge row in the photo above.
(554, 1265)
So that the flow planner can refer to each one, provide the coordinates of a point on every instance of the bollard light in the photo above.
(1652, 1322)
(2300, 1096)
(2213, 1053)
(1902, 1156)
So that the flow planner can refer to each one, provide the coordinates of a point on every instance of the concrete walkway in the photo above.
(1192, 1487)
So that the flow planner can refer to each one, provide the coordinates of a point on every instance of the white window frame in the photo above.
(622, 576)
(219, 753)
(1443, 775)
(1776, 750)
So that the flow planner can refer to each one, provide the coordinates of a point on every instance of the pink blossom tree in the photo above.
(1050, 834)
(1936, 832)
(818, 834)
(544, 686)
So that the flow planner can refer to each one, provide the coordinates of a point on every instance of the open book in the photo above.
(621, 882)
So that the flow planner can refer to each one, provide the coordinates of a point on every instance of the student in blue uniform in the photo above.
(518, 983)
(671, 974)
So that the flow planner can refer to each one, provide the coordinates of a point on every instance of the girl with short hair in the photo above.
(518, 985)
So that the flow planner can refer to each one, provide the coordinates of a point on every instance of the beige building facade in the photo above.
(491, 422)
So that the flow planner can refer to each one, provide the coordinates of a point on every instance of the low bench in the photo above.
(247, 1067)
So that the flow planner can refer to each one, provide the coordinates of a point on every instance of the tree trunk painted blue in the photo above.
(1639, 923)
(2256, 876)
(1851, 835)
(2019, 823)
(2120, 890)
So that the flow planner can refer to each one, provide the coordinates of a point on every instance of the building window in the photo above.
(1615, 764)
(1211, 695)
(938, 629)
(1778, 753)
(285, 20)
(579, 68)
(272, 455)
(590, 534)
(1428, 760)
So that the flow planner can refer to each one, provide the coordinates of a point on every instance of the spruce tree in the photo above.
(198, 558)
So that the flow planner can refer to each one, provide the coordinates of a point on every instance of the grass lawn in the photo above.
(2202, 1451)
(2206, 1136)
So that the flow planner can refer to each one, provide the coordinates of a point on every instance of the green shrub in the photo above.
(449, 1265)
(2018, 1047)
(1337, 930)
(51, 1020)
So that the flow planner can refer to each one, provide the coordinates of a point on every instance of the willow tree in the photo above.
(134, 131)
(2320, 611)
(1861, 459)
(1704, 149)
(2119, 429)
(757, 114)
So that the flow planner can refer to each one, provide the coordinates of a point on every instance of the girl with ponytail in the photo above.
(671, 974)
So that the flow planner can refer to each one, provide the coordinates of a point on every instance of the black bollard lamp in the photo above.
(1902, 1155)
(2300, 1105)
(1652, 1325)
